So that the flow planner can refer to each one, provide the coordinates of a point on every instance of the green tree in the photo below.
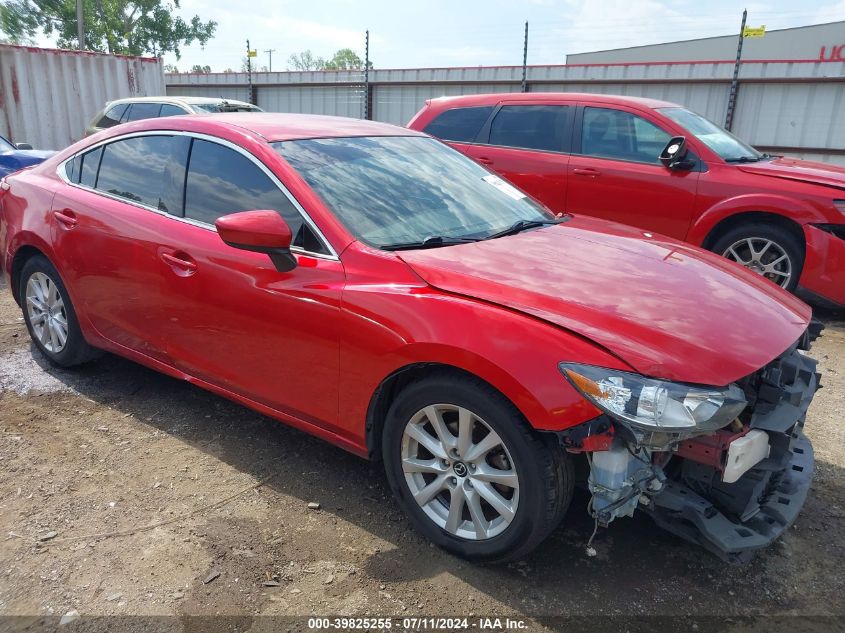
(346, 59)
(124, 27)
(196, 68)
(305, 61)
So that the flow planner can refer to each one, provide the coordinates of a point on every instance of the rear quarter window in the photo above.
(459, 124)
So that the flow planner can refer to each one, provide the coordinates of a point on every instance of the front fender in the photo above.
(788, 207)
(388, 328)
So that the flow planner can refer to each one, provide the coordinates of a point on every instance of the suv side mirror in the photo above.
(260, 232)
(674, 153)
(23, 145)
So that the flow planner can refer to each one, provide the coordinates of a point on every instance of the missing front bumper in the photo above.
(680, 510)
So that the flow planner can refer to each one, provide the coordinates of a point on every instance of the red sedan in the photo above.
(372, 286)
(602, 155)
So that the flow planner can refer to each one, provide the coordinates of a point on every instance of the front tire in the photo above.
(468, 470)
(767, 249)
(49, 314)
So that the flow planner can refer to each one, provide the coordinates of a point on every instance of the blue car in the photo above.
(15, 157)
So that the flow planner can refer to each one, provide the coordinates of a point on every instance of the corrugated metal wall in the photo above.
(48, 96)
(796, 107)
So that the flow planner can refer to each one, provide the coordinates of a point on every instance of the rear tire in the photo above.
(527, 479)
(49, 314)
(767, 249)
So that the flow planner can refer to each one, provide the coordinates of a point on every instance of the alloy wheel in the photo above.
(460, 472)
(46, 311)
(764, 256)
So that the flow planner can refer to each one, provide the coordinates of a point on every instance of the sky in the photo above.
(437, 33)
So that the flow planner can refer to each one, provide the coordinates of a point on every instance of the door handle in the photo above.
(484, 160)
(180, 261)
(66, 218)
(586, 171)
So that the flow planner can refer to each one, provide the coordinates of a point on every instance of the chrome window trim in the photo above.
(61, 172)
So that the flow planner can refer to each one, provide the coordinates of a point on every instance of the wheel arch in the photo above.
(21, 257)
(393, 384)
(747, 217)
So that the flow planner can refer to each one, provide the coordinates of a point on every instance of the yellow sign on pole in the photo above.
(751, 31)
(252, 54)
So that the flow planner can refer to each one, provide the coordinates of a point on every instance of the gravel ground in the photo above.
(89, 456)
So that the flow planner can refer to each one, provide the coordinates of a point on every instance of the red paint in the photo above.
(685, 205)
(311, 346)
(837, 53)
(264, 229)
(711, 450)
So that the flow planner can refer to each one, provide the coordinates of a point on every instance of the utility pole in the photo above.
(729, 115)
(249, 71)
(367, 74)
(525, 60)
(270, 52)
(80, 25)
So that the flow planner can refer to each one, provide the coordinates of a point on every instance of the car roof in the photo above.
(177, 99)
(491, 99)
(284, 126)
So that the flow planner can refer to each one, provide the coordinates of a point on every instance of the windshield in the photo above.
(224, 107)
(725, 144)
(396, 190)
(6, 146)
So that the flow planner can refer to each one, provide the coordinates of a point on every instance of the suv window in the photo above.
(168, 109)
(112, 116)
(138, 111)
(616, 134)
(145, 169)
(459, 124)
(542, 127)
(221, 181)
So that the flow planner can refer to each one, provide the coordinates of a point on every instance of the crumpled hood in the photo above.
(668, 309)
(801, 170)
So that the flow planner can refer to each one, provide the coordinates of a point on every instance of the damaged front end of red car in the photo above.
(732, 489)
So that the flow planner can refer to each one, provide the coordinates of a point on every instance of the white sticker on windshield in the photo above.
(504, 187)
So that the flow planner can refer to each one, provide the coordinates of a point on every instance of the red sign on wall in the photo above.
(832, 54)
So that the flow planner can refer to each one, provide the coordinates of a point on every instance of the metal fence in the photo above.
(48, 96)
(794, 107)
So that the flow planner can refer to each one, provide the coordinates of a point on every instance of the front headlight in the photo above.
(656, 405)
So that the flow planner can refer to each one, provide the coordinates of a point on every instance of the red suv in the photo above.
(605, 156)
(369, 285)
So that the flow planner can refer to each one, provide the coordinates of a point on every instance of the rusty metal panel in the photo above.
(48, 96)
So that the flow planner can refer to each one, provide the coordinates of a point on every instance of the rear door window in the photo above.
(459, 124)
(540, 127)
(616, 134)
(221, 181)
(112, 116)
(149, 170)
(138, 111)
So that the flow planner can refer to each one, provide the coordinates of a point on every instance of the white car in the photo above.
(137, 108)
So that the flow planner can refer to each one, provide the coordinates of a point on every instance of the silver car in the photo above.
(137, 108)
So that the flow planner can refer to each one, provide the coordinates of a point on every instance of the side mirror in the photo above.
(23, 145)
(674, 152)
(260, 232)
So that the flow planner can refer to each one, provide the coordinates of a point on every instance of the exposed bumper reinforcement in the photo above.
(678, 509)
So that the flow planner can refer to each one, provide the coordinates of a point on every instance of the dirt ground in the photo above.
(88, 456)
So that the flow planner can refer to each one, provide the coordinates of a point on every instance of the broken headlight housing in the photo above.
(654, 406)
